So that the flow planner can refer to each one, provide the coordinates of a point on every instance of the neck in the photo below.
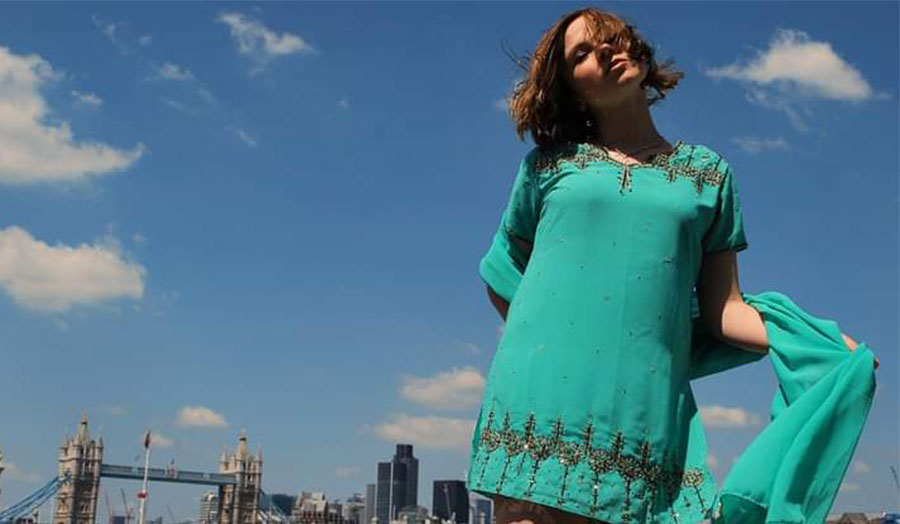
(628, 125)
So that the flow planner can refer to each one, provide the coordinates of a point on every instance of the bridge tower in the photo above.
(80, 457)
(239, 503)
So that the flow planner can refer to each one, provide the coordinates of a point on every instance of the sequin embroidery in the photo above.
(667, 479)
(581, 154)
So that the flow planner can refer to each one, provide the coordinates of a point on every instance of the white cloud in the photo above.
(170, 71)
(34, 150)
(16, 474)
(201, 417)
(811, 66)
(145, 40)
(54, 278)
(178, 106)
(345, 472)
(712, 461)
(110, 30)
(758, 145)
(87, 99)
(243, 136)
(259, 43)
(722, 417)
(455, 389)
(118, 34)
(428, 431)
(795, 70)
(848, 487)
(115, 411)
(471, 348)
(343, 104)
(501, 104)
(861, 467)
(157, 440)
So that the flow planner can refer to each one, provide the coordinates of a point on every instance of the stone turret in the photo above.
(238, 504)
(80, 457)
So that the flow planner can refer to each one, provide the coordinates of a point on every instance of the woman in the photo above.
(613, 229)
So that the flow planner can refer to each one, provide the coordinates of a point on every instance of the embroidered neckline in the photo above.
(581, 154)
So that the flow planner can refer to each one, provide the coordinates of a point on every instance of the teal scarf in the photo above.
(792, 470)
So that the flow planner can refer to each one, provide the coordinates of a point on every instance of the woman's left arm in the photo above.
(723, 311)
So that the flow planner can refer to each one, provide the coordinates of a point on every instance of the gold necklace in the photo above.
(619, 151)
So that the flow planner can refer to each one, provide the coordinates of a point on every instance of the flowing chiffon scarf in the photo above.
(791, 471)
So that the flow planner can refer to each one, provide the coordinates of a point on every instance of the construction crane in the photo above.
(109, 509)
(450, 512)
(896, 481)
(128, 509)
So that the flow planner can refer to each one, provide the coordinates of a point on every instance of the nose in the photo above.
(605, 52)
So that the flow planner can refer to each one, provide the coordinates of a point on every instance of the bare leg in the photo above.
(509, 510)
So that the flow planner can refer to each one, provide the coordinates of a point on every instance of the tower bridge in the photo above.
(77, 485)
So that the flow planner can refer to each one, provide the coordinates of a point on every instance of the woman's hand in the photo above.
(851, 344)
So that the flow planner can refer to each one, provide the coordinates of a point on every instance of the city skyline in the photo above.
(270, 216)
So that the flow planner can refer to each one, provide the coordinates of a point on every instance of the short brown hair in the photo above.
(542, 102)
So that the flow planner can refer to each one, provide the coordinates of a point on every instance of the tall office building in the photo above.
(209, 508)
(397, 484)
(369, 512)
(451, 498)
(354, 509)
(483, 511)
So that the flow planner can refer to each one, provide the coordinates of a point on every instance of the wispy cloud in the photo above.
(52, 279)
(115, 411)
(14, 473)
(170, 71)
(471, 348)
(243, 135)
(758, 145)
(38, 151)
(178, 106)
(89, 100)
(847, 487)
(795, 69)
(715, 416)
(259, 43)
(200, 417)
(860, 467)
(346, 472)
(428, 431)
(157, 440)
(712, 461)
(120, 35)
(459, 388)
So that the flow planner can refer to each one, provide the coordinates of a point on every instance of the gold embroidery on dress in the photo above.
(656, 478)
(581, 154)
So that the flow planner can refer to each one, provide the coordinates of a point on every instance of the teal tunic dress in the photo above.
(588, 405)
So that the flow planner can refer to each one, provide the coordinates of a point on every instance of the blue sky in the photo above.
(270, 216)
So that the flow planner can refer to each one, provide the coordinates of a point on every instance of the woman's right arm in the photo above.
(500, 304)
(504, 264)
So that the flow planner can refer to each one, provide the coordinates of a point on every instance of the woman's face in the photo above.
(601, 75)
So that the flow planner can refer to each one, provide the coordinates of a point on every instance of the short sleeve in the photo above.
(503, 266)
(727, 228)
(523, 208)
